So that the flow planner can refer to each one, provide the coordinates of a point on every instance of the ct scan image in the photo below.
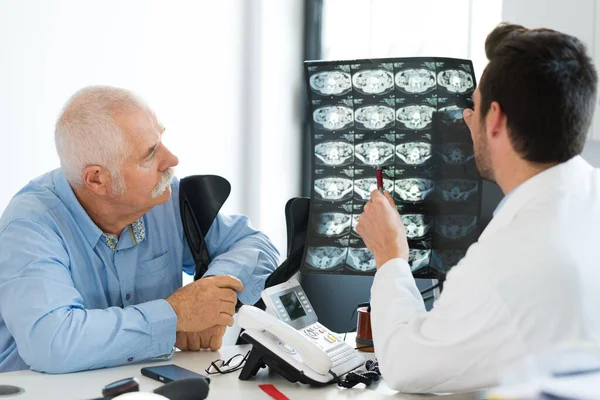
(405, 117)
(456, 153)
(419, 258)
(333, 188)
(456, 81)
(334, 153)
(374, 117)
(375, 153)
(414, 153)
(334, 224)
(415, 81)
(326, 257)
(373, 81)
(415, 117)
(327, 83)
(451, 115)
(334, 117)
(364, 187)
(417, 226)
(413, 190)
(458, 190)
(361, 259)
(456, 226)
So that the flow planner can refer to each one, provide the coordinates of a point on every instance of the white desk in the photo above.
(87, 385)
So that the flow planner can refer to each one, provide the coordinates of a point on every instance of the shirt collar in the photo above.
(546, 178)
(136, 230)
(560, 177)
(89, 229)
(506, 196)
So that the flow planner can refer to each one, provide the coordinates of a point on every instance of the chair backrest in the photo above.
(296, 219)
(200, 199)
(202, 196)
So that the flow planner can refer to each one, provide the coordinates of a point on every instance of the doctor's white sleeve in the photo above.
(460, 345)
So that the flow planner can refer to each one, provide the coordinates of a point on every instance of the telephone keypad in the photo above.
(343, 356)
(322, 336)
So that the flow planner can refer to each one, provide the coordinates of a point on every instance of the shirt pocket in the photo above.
(155, 278)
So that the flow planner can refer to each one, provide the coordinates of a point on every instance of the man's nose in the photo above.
(172, 159)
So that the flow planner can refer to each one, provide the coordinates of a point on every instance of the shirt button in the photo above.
(130, 359)
(128, 296)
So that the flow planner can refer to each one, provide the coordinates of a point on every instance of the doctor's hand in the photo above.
(382, 230)
(211, 338)
(205, 303)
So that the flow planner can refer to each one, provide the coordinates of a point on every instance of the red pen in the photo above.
(380, 180)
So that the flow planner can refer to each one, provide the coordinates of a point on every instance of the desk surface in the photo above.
(87, 385)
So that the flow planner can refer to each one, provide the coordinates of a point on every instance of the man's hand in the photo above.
(382, 230)
(194, 341)
(205, 303)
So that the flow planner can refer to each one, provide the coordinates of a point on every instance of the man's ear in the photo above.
(97, 179)
(495, 121)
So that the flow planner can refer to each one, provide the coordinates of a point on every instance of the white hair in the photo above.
(87, 134)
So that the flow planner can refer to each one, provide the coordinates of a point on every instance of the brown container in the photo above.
(364, 337)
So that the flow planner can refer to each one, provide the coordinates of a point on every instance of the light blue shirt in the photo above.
(70, 302)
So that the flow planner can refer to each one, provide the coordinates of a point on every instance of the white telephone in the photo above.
(292, 341)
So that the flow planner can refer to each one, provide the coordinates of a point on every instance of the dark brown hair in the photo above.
(545, 82)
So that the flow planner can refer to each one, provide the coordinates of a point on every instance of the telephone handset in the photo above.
(315, 358)
(291, 341)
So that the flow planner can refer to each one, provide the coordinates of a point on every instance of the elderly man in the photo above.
(92, 254)
(530, 282)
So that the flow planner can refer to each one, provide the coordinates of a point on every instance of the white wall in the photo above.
(275, 84)
(580, 18)
(190, 61)
(403, 28)
(575, 17)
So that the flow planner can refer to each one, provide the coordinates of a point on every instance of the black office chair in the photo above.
(202, 196)
(296, 219)
(200, 199)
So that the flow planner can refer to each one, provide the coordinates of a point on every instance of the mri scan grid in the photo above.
(403, 115)
(372, 115)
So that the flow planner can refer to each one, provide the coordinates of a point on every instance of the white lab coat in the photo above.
(531, 281)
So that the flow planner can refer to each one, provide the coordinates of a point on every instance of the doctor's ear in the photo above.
(496, 120)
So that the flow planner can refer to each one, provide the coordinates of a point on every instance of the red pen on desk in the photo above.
(380, 180)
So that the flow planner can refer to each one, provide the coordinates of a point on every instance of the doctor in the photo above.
(531, 281)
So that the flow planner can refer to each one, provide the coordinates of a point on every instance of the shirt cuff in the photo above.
(394, 282)
(163, 324)
(394, 268)
(252, 287)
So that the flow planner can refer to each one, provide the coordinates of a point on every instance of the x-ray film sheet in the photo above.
(403, 115)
